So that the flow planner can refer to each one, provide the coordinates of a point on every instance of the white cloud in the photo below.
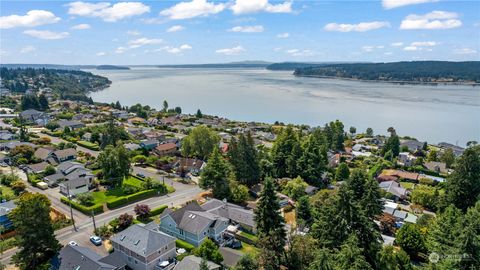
(231, 51)
(31, 19)
(247, 29)
(143, 41)
(368, 48)
(249, 6)
(396, 44)
(388, 53)
(120, 50)
(433, 20)
(389, 4)
(82, 26)
(100, 54)
(133, 33)
(420, 46)
(106, 11)
(46, 34)
(175, 28)
(195, 8)
(360, 27)
(28, 49)
(298, 52)
(175, 50)
(465, 51)
(283, 35)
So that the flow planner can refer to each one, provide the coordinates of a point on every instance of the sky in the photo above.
(206, 31)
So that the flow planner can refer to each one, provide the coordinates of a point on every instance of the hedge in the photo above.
(158, 210)
(131, 198)
(87, 210)
(89, 145)
(182, 244)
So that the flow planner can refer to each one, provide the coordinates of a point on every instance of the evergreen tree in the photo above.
(351, 256)
(342, 173)
(199, 114)
(304, 211)
(448, 157)
(410, 239)
(313, 161)
(392, 144)
(204, 265)
(323, 260)
(115, 163)
(286, 152)
(165, 106)
(270, 227)
(369, 132)
(37, 243)
(208, 250)
(371, 199)
(200, 142)
(463, 185)
(215, 176)
(244, 159)
(43, 102)
(247, 262)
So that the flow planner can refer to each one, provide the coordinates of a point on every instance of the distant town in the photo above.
(88, 185)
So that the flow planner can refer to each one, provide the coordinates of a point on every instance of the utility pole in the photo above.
(94, 225)
(71, 210)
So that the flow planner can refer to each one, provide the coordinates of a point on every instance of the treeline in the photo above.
(68, 84)
(415, 71)
(34, 102)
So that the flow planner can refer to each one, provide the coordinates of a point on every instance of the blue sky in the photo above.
(205, 31)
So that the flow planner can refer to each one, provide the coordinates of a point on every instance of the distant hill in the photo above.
(110, 67)
(242, 64)
(415, 71)
(48, 66)
(294, 65)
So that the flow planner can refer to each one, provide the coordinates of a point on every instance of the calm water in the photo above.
(432, 113)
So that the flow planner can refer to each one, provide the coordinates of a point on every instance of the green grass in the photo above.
(249, 249)
(101, 197)
(182, 244)
(133, 181)
(407, 185)
(252, 237)
(8, 244)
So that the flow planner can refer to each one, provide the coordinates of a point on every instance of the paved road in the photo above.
(85, 228)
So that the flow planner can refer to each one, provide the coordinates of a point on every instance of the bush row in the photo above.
(131, 198)
(89, 145)
(158, 210)
(87, 210)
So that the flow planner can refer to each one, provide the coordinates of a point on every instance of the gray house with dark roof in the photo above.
(144, 247)
(193, 224)
(79, 258)
(234, 213)
(193, 262)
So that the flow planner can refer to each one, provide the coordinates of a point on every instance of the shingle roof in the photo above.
(230, 211)
(75, 182)
(80, 258)
(178, 214)
(192, 262)
(68, 152)
(142, 240)
(196, 221)
(42, 153)
(6, 207)
(38, 167)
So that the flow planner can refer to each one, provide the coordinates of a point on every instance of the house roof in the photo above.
(6, 207)
(77, 257)
(54, 177)
(177, 215)
(230, 256)
(197, 221)
(411, 218)
(192, 262)
(149, 142)
(115, 258)
(67, 123)
(435, 166)
(142, 240)
(166, 147)
(400, 214)
(75, 182)
(64, 153)
(230, 211)
(69, 166)
(38, 167)
(394, 188)
(43, 152)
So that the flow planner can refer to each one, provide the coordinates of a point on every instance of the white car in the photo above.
(72, 243)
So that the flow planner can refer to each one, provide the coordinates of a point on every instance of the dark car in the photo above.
(140, 175)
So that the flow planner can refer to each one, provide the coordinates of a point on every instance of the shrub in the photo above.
(427, 181)
(117, 202)
(85, 198)
(158, 210)
(131, 198)
(89, 145)
(18, 187)
(87, 210)
(182, 244)
(142, 210)
(103, 231)
(124, 220)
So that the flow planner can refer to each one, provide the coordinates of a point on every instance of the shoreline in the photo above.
(386, 81)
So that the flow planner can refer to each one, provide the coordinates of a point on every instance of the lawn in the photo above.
(246, 248)
(251, 237)
(101, 197)
(133, 181)
(407, 185)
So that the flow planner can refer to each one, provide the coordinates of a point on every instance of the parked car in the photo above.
(140, 175)
(97, 241)
(72, 243)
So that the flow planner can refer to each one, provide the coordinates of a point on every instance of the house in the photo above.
(6, 135)
(412, 145)
(148, 144)
(87, 136)
(74, 186)
(5, 208)
(144, 247)
(193, 262)
(35, 117)
(230, 256)
(400, 215)
(438, 167)
(234, 213)
(131, 146)
(411, 218)
(394, 188)
(457, 150)
(70, 124)
(406, 159)
(166, 149)
(64, 155)
(36, 168)
(189, 165)
(409, 176)
(8, 146)
(136, 120)
(79, 258)
(42, 153)
(193, 224)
